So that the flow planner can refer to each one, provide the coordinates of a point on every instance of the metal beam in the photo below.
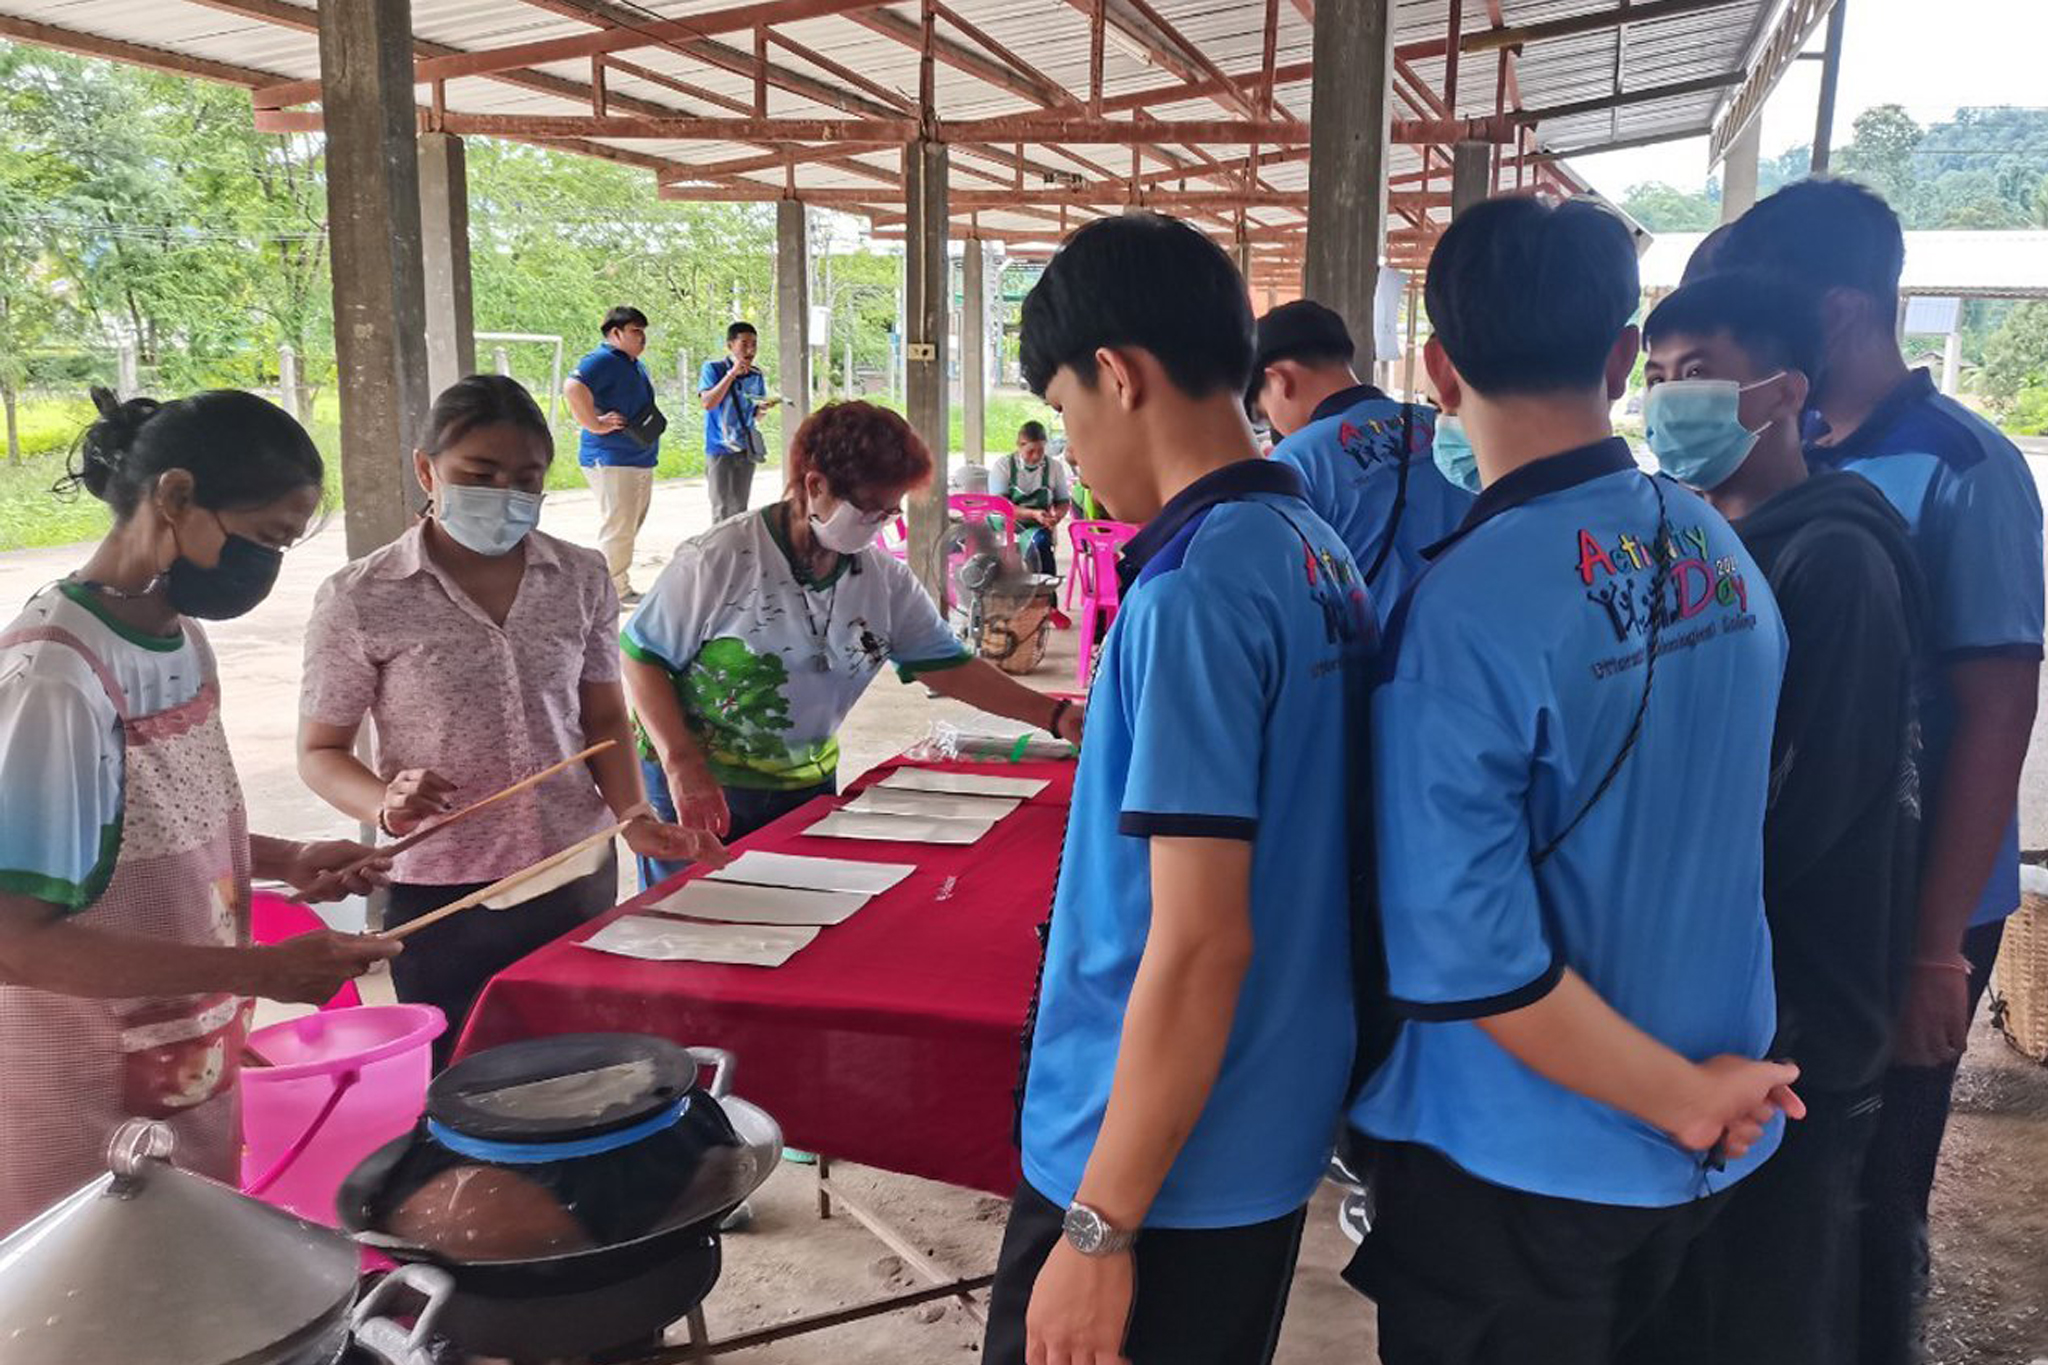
(1571, 26)
(1830, 73)
(1113, 195)
(645, 33)
(1600, 104)
(1289, 74)
(1054, 127)
(134, 54)
(1772, 61)
(874, 89)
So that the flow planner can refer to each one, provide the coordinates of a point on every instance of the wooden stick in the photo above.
(504, 884)
(420, 836)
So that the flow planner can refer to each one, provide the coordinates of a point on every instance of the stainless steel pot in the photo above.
(151, 1263)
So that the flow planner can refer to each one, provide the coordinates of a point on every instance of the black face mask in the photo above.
(244, 577)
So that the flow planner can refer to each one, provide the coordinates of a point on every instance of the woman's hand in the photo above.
(648, 837)
(414, 797)
(327, 871)
(699, 800)
(309, 969)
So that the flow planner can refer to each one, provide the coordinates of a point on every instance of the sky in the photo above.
(1931, 56)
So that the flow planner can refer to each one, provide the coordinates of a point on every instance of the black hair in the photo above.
(1031, 431)
(1706, 257)
(1825, 234)
(1142, 280)
(482, 400)
(622, 316)
(241, 451)
(1529, 296)
(738, 330)
(1776, 325)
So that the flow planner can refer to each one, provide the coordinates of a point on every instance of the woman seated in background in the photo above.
(764, 631)
(1036, 485)
(482, 650)
(125, 852)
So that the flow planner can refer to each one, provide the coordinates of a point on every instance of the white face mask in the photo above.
(849, 530)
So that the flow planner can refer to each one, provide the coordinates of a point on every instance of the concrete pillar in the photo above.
(793, 310)
(1738, 171)
(373, 217)
(925, 287)
(1347, 186)
(974, 351)
(851, 388)
(288, 382)
(128, 371)
(1952, 359)
(444, 255)
(1471, 175)
(501, 360)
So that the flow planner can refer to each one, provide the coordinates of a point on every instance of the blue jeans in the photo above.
(1036, 544)
(751, 807)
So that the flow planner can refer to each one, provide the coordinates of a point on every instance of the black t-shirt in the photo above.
(1841, 836)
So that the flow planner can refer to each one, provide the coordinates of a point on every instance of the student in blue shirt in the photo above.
(1571, 753)
(1975, 516)
(609, 392)
(1193, 1037)
(1359, 452)
(734, 395)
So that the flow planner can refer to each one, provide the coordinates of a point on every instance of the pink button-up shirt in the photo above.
(483, 705)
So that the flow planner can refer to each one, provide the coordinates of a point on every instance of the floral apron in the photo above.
(72, 1069)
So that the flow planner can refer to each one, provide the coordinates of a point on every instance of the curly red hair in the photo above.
(867, 455)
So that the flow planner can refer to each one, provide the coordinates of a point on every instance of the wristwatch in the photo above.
(1089, 1233)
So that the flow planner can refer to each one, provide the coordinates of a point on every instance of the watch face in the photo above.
(1085, 1229)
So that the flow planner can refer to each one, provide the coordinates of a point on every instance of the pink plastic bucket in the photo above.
(342, 1083)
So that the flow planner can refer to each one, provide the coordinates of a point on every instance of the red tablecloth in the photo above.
(892, 1040)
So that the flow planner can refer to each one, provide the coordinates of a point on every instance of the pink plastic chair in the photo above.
(1095, 549)
(975, 506)
(274, 918)
(894, 540)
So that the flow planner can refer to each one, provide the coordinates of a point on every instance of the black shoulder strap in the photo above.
(1379, 560)
(1659, 583)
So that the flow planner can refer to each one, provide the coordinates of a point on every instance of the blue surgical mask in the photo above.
(1694, 429)
(1453, 453)
(489, 521)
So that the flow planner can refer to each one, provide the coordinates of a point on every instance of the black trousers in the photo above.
(447, 964)
(1466, 1272)
(1213, 1296)
(1773, 1281)
(1898, 1178)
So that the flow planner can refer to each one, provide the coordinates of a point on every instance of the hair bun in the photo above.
(106, 443)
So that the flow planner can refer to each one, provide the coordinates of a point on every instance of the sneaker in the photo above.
(739, 1220)
(799, 1158)
(1354, 1217)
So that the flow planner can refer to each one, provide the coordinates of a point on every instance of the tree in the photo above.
(2016, 355)
(1880, 151)
(1662, 208)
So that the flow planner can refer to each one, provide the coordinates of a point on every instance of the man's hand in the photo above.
(309, 969)
(1732, 1103)
(1080, 1309)
(1072, 721)
(414, 797)
(327, 871)
(699, 800)
(650, 838)
(1934, 1019)
(608, 422)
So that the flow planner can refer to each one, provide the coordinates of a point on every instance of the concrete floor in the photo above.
(1991, 1305)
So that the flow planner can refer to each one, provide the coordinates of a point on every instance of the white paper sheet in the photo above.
(938, 805)
(903, 829)
(962, 784)
(656, 938)
(812, 874)
(738, 903)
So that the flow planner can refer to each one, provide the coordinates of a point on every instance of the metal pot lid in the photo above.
(151, 1263)
(574, 1085)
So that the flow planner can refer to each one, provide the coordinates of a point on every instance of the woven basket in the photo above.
(2019, 983)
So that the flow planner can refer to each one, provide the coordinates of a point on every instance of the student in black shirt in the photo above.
(1774, 1278)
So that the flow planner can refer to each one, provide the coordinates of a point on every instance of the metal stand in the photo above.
(943, 1285)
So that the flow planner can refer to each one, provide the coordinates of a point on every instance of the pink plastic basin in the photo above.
(342, 1084)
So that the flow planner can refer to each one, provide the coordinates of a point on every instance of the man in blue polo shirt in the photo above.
(1193, 1035)
(1571, 753)
(1361, 455)
(734, 395)
(611, 395)
(1975, 518)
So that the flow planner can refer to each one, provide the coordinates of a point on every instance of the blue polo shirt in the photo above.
(725, 426)
(1512, 676)
(617, 383)
(1349, 457)
(1228, 703)
(1975, 514)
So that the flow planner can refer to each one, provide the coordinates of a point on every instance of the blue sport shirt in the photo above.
(1511, 676)
(725, 426)
(1349, 458)
(617, 383)
(1975, 515)
(1229, 703)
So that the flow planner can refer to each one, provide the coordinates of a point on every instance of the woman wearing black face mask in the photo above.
(125, 857)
